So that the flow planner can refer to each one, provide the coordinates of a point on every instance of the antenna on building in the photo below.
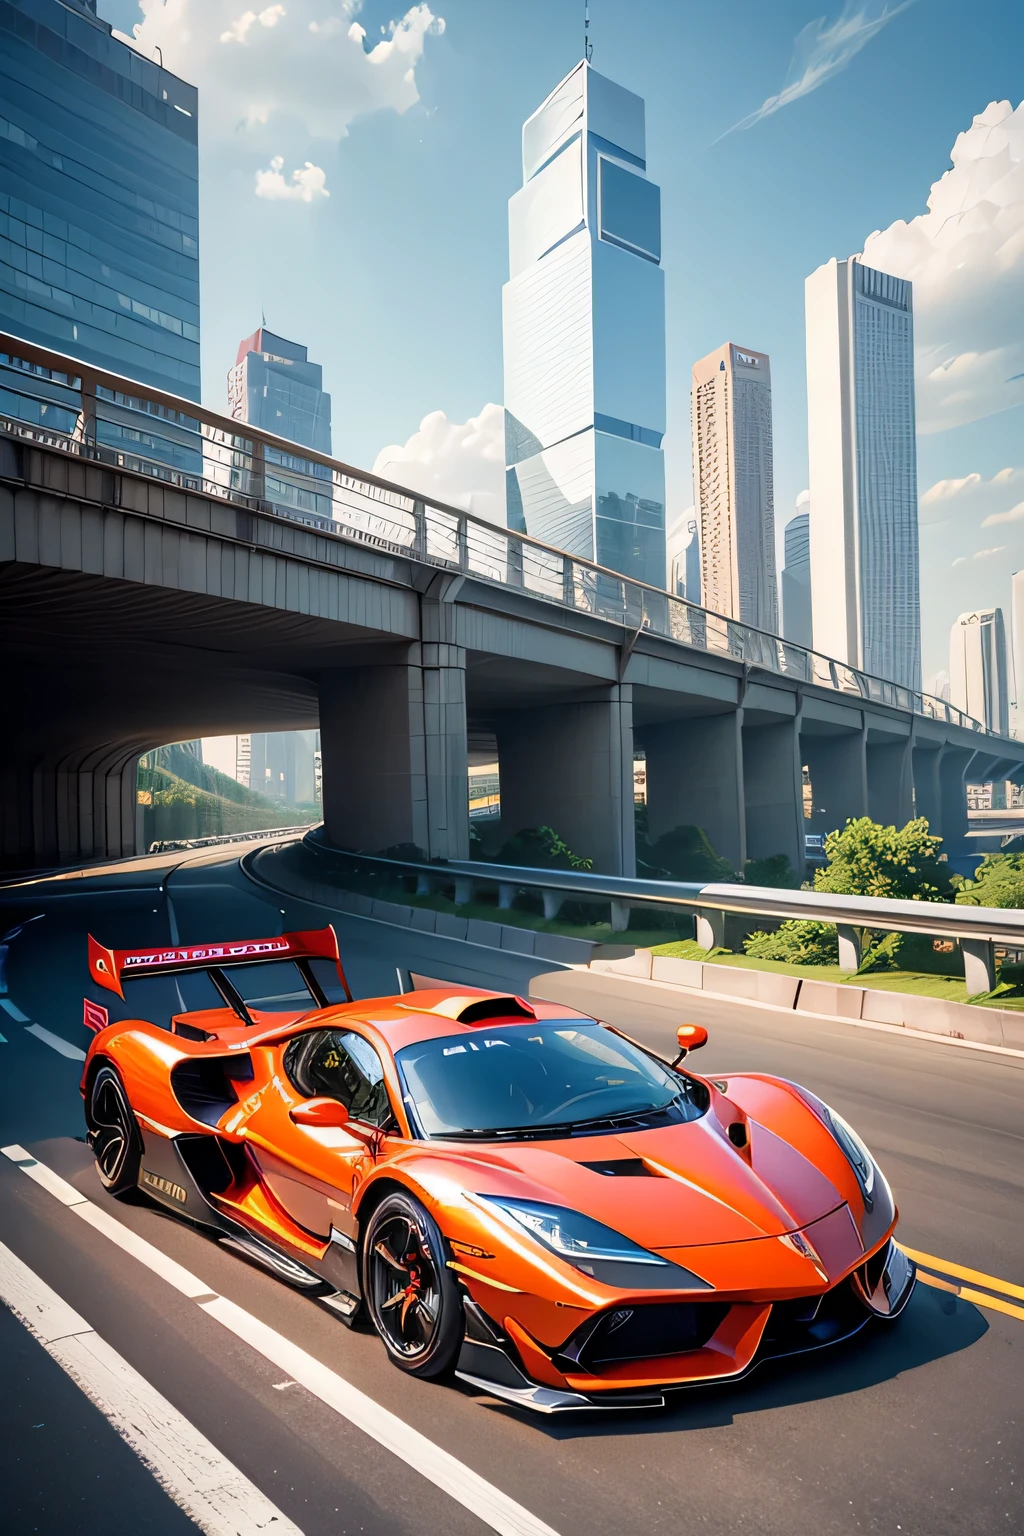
(588, 47)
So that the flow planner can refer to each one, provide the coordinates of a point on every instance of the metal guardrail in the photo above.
(183, 844)
(63, 404)
(938, 919)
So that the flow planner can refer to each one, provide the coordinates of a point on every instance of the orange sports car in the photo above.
(505, 1189)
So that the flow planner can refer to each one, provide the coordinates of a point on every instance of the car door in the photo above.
(312, 1171)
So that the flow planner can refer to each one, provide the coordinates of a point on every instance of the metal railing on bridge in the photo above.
(64, 404)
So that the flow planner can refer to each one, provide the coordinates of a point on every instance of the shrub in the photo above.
(998, 882)
(776, 870)
(682, 854)
(799, 941)
(541, 848)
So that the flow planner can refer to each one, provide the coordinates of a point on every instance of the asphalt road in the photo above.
(916, 1429)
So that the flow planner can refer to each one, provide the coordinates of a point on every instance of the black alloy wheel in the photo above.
(113, 1133)
(412, 1297)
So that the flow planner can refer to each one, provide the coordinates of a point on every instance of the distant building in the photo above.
(275, 387)
(584, 333)
(1016, 681)
(977, 668)
(283, 765)
(796, 581)
(99, 197)
(865, 581)
(731, 415)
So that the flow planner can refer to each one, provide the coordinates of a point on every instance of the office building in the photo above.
(584, 332)
(1016, 669)
(796, 580)
(283, 765)
(731, 419)
(275, 387)
(865, 584)
(977, 668)
(99, 197)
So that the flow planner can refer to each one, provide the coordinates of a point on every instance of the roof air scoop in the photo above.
(474, 1009)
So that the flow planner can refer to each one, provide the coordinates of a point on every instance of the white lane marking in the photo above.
(63, 1046)
(15, 1012)
(202, 1482)
(159, 1262)
(480, 1497)
(3, 1039)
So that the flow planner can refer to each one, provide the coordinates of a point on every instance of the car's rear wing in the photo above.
(110, 968)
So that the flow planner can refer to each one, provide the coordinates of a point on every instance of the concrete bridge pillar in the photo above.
(772, 792)
(927, 794)
(839, 778)
(570, 767)
(953, 765)
(395, 758)
(695, 778)
(890, 782)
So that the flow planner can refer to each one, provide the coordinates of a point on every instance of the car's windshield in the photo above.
(539, 1079)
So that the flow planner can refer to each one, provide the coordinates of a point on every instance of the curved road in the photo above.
(916, 1430)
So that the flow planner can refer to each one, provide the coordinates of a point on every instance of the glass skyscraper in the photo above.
(584, 333)
(99, 197)
(862, 451)
(273, 385)
(796, 581)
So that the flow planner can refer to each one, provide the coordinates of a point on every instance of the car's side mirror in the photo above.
(321, 1112)
(690, 1037)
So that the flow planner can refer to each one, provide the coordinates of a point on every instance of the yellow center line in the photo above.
(978, 1297)
(962, 1273)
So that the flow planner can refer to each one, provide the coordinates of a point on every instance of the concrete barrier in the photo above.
(907, 1010)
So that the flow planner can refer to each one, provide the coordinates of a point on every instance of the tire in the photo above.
(411, 1296)
(113, 1133)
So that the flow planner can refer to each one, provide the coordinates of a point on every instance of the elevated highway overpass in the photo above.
(167, 573)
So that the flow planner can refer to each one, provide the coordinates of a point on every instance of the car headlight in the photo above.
(595, 1249)
(857, 1153)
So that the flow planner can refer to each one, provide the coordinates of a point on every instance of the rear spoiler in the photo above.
(110, 967)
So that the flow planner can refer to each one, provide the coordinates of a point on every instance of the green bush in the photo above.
(998, 882)
(867, 859)
(682, 854)
(540, 848)
(776, 870)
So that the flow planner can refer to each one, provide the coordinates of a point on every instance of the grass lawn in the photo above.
(950, 989)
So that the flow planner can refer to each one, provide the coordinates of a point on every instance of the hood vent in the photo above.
(474, 1009)
(623, 1168)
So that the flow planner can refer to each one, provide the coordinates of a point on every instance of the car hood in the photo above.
(677, 1187)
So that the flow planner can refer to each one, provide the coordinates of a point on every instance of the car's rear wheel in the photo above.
(411, 1295)
(113, 1133)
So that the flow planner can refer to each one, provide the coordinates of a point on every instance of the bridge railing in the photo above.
(65, 404)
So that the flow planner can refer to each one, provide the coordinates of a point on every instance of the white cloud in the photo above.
(306, 184)
(971, 497)
(257, 70)
(461, 463)
(965, 257)
(821, 51)
(239, 28)
(1014, 515)
(980, 554)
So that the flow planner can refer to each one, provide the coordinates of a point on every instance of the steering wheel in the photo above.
(592, 1093)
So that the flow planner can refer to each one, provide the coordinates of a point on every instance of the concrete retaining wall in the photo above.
(961, 1021)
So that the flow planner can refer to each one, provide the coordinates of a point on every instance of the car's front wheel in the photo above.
(113, 1133)
(411, 1295)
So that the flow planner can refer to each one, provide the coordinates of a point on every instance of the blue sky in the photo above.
(394, 279)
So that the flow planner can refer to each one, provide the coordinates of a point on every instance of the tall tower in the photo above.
(731, 417)
(861, 428)
(584, 332)
(977, 668)
(796, 580)
(99, 199)
(273, 385)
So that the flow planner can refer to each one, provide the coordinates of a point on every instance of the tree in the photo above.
(775, 870)
(867, 859)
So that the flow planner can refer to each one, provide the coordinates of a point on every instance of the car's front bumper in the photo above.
(505, 1363)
